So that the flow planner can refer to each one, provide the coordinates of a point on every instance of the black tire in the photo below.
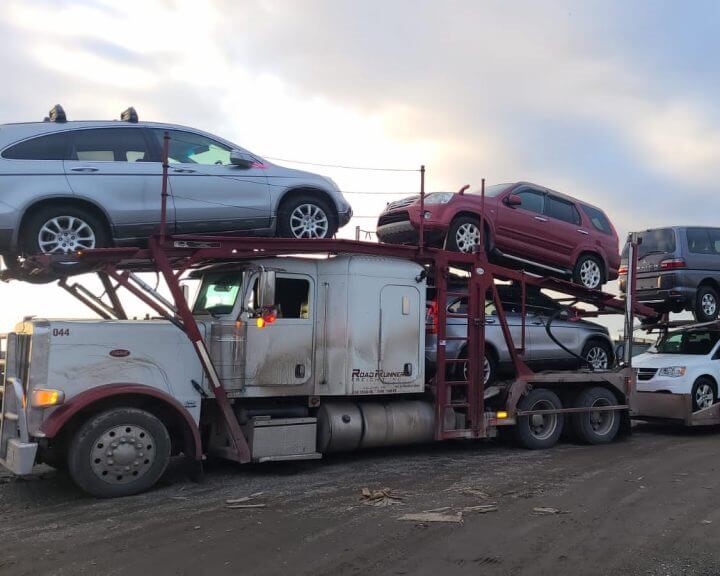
(706, 304)
(318, 210)
(31, 229)
(461, 233)
(110, 468)
(596, 427)
(539, 431)
(589, 272)
(595, 351)
(704, 393)
(491, 365)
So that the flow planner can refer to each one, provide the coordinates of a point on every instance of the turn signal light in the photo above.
(43, 397)
(501, 415)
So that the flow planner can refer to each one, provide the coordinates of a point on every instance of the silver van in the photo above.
(66, 186)
(678, 269)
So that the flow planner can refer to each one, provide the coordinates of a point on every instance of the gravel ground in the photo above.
(646, 505)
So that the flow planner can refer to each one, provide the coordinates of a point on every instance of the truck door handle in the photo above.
(183, 170)
(540, 218)
(489, 320)
(84, 169)
(583, 232)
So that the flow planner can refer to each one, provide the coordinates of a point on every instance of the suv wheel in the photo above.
(464, 235)
(588, 272)
(706, 304)
(62, 230)
(598, 355)
(306, 217)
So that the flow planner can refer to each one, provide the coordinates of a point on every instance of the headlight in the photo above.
(439, 197)
(672, 371)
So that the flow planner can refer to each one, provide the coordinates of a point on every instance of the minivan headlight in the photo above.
(439, 197)
(672, 371)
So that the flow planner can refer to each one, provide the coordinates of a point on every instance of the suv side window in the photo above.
(532, 200)
(561, 210)
(190, 148)
(49, 147)
(699, 241)
(597, 219)
(110, 145)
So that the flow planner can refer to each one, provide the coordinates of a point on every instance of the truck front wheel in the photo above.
(537, 431)
(119, 452)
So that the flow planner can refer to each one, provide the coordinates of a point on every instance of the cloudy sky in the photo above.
(614, 102)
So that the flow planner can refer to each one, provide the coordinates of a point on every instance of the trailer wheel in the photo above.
(539, 430)
(119, 452)
(596, 427)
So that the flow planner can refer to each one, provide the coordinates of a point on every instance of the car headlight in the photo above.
(439, 197)
(672, 371)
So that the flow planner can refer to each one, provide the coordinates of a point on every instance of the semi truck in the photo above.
(291, 349)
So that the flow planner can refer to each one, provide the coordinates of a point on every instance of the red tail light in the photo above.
(672, 264)
(622, 270)
(431, 317)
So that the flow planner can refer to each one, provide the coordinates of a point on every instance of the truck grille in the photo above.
(646, 373)
(392, 217)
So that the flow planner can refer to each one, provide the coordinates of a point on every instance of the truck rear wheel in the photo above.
(539, 431)
(599, 427)
(119, 452)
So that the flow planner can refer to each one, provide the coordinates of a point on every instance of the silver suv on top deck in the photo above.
(66, 186)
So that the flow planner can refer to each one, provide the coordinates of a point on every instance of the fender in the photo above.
(55, 422)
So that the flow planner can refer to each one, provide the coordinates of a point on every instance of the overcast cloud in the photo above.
(614, 102)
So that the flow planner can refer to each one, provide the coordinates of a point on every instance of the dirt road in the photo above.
(647, 505)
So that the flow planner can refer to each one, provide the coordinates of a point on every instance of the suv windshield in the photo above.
(700, 342)
(658, 241)
(218, 293)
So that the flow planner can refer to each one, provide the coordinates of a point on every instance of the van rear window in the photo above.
(657, 241)
(598, 219)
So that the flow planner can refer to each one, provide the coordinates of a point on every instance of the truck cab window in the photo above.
(218, 294)
(292, 297)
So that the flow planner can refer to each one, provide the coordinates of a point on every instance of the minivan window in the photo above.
(597, 219)
(110, 145)
(190, 148)
(699, 241)
(531, 200)
(561, 210)
(715, 239)
(700, 342)
(49, 147)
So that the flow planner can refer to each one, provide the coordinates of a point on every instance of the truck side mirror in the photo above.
(266, 289)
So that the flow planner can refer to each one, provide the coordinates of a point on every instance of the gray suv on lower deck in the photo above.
(678, 269)
(71, 185)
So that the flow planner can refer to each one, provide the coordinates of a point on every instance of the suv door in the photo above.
(113, 168)
(210, 193)
(563, 232)
(521, 230)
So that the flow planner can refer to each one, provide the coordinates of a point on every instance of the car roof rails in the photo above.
(129, 115)
(56, 114)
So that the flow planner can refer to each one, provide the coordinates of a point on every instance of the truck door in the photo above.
(399, 334)
(281, 353)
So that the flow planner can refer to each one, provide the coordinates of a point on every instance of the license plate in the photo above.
(647, 283)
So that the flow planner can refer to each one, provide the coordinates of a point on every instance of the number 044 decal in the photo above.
(61, 332)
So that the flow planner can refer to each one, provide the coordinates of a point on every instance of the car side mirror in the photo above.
(513, 200)
(241, 159)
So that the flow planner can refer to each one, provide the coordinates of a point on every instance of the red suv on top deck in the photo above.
(524, 222)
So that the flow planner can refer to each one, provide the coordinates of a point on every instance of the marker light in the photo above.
(260, 322)
(43, 397)
(501, 415)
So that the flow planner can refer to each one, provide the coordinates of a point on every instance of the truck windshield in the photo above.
(218, 293)
(700, 342)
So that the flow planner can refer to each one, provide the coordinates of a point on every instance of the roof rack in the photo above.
(129, 115)
(56, 114)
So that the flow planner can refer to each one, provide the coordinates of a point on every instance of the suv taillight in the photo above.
(622, 270)
(672, 264)
(431, 317)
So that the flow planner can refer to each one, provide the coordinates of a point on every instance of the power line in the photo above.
(342, 166)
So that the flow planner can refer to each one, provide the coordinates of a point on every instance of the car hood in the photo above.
(650, 360)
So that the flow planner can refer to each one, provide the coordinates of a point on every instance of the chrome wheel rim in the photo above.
(122, 454)
(590, 274)
(602, 421)
(65, 234)
(543, 426)
(708, 304)
(486, 371)
(309, 221)
(704, 396)
(467, 237)
(597, 358)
